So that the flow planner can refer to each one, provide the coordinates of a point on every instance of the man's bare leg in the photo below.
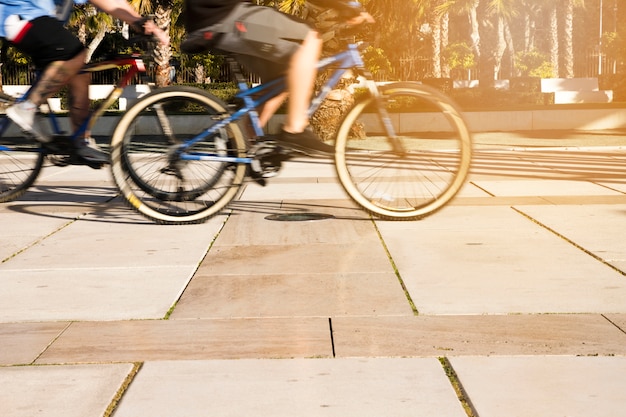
(54, 77)
(79, 100)
(270, 107)
(300, 82)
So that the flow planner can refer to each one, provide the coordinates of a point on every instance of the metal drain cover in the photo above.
(299, 217)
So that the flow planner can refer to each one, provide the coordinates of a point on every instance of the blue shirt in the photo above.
(32, 9)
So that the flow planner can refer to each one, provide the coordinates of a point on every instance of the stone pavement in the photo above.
(511, 301)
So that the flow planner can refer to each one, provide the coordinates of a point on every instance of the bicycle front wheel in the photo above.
(21, 160)
(413, 174)
(150, 173)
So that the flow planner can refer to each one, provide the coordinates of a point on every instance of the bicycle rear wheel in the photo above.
(21, 160)
(414, 174)
(148, 170)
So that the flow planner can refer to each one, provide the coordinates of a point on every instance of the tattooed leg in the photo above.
(55, 76)
(79, 99)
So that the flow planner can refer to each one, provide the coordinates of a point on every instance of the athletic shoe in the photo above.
(89, 151)
(305, 141)
(23, 114)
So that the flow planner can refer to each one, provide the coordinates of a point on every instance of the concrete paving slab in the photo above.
(22, 343)
(74, 184)
(359, 257)
(549, 334)
(620, 186)
(471, 190)
(92, 244)
(249, 244)
(307, 169)
(544, 188)
(251, 225)
(592, 227)
(97, 293)
(294, 191)
(558, 163)
(289, 295)
(150, 340)
(542, 386)
(300, 210)
(308, 387)
(490, 164)
(493, 260)
(303, 180)
(66, 207)
(20, 231)
(53, 391)
(618, 320)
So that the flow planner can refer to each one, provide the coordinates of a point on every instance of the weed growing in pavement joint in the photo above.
(123, 388)
(458, 387)
(396, 271)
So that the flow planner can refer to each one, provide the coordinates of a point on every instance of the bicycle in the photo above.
(22, 157)
(179, 155)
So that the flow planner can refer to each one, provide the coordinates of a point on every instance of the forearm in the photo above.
(120, 9)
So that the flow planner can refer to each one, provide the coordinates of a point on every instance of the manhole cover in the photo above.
(299, 217)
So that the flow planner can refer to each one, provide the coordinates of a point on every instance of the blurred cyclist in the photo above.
(36, 27)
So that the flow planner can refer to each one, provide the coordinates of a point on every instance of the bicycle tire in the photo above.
(424, 176)
(150, 177)
(21, 160)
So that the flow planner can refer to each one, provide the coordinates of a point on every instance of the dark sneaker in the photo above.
(90, 152)
(306, 142)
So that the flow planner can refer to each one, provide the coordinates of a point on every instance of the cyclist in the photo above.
(270, 44)
(36, 27)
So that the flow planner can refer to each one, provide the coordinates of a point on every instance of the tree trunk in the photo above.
(511, 48)
(93, 45)
(500, 46)
(325, 121)
(568, 47)
(445, 33)
(434, 20)
(163, 54)
(198, 74)
(488, 43)
(474, 24)
(554, 38)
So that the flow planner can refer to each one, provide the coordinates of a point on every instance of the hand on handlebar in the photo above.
(150, 28)
(147, 26)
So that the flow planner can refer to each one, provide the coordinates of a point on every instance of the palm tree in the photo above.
(164, 11)
(568, 36)
(399, 30)
(436, 19)
(91, 26)
(551, 10)
(506, 11)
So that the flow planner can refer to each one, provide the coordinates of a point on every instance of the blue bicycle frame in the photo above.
(343, 61)
(135, 64)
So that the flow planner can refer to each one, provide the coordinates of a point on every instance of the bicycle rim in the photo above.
(158, 184)
(419, 171)
(21, 160)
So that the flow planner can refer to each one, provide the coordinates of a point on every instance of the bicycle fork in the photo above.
(383, 115)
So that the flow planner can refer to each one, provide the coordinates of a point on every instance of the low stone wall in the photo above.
(478, 121)
(556, 119)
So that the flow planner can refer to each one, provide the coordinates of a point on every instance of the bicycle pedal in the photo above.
(256, 176)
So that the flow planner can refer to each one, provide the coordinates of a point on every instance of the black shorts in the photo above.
(261, 38)
(47, 41)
